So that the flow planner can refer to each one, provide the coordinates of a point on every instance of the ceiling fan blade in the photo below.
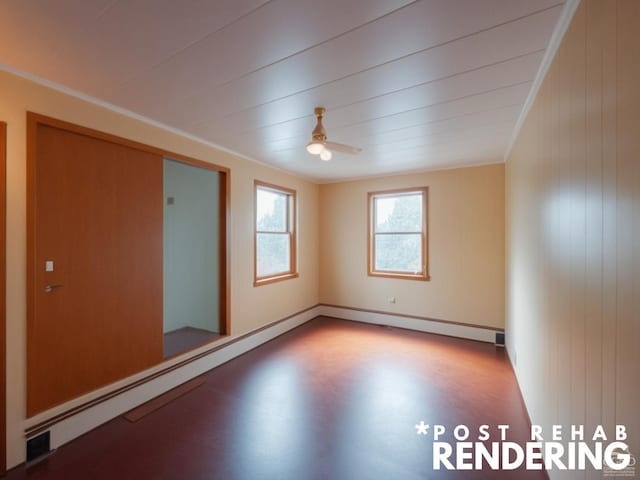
(339, 147)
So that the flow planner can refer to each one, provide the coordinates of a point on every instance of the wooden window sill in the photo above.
(276, 278)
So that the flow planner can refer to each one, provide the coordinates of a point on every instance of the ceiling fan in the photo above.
(319, 144)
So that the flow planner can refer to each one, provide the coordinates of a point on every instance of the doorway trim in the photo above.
(3, 297)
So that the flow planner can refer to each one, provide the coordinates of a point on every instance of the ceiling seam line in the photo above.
(345, 105)
(339, 107)
(417, 52)
(504, 107)
(436, 104)
(119, 86)
(153, 67)
(56, 53)
(415, 171)
(432, 134)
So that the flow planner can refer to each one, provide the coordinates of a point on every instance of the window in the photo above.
(275, 233)
(398, 234)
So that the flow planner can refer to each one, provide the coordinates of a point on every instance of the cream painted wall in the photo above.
(466, 247)
(251, 307)
(573, 231)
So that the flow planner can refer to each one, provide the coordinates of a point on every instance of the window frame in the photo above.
(292, 222)
(423, 275)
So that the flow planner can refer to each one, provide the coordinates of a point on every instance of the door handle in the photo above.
(49, 288)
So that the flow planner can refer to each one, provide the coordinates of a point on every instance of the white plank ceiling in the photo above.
(417, 85)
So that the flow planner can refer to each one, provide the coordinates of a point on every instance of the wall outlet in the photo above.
(392, 299)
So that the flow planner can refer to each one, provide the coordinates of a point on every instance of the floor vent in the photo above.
(38, 446)
(499, 339)
(161, 400)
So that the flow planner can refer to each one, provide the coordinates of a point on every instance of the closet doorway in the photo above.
(191, 260)
(97, 290)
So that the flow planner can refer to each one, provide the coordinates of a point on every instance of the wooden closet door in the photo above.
(97, 222)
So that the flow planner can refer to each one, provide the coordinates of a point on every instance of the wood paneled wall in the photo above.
(573, 230)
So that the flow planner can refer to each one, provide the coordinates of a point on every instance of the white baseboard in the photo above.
(471, 332)
(77, 424)
(85, 420)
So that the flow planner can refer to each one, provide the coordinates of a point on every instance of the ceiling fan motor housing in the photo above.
(319, 141)
(319, 134)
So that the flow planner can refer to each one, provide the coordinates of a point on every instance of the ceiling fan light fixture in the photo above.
(319, 145)
(315, 148)
(325, 155)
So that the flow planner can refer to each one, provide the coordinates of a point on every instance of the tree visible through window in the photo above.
(274, 233)
(398, 233)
